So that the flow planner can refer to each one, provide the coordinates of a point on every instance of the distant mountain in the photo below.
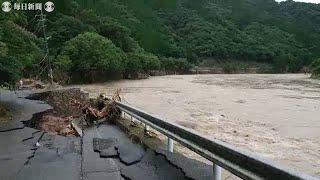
(257, 30)
(154, 34)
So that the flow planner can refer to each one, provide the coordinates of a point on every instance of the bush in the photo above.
(315, 64)
(177, 65)
(316, 72)
(229, 68)
(141, 61)
(315, 68)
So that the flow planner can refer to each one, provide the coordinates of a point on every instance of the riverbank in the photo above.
(221, 69)
(205, 66)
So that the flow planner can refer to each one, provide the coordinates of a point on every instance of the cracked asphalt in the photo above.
(104, 151)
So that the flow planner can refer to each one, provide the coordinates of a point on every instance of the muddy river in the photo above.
(276, 116)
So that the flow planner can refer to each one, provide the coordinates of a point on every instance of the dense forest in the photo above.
(95, 40)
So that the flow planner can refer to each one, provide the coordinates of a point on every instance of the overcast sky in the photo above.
(312, 1)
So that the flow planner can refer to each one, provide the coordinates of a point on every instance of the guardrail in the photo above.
(241, 163)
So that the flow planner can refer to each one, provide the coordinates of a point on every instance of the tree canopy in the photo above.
(125, 36)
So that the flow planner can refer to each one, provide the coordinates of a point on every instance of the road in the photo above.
(104, 151)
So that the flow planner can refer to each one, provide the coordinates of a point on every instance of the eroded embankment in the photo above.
(57, 120)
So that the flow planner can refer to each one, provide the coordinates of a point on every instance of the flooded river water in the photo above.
(276, 116)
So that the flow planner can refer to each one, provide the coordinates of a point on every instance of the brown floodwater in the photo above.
(276, 116)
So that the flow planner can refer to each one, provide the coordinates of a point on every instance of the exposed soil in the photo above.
(49, 121)
(62, 101)
(58, 120)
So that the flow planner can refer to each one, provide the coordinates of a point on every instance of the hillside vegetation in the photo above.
(95, 40)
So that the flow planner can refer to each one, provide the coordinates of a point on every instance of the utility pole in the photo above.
(47, 58)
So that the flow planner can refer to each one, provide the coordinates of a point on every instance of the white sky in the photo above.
(311, 1)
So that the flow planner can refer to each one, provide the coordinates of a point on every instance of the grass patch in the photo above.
(5, 114)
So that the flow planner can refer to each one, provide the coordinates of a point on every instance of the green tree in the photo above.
(10, 68)
(91, 52)
(19, 51)
(142, 61)
(68, 28)
(284, 35)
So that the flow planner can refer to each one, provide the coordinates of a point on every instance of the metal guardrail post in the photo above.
(216, 172)
(146, 128)
(170, 145)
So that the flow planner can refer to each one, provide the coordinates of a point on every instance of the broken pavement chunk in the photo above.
(109, 153)
(100, 144)
(193, 169)
(130, 153)
(152, 167)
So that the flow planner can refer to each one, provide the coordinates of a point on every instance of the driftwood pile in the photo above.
(104, 107)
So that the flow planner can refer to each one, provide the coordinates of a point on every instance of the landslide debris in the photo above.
(62, 100)
(69, 104)
(58, 120)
